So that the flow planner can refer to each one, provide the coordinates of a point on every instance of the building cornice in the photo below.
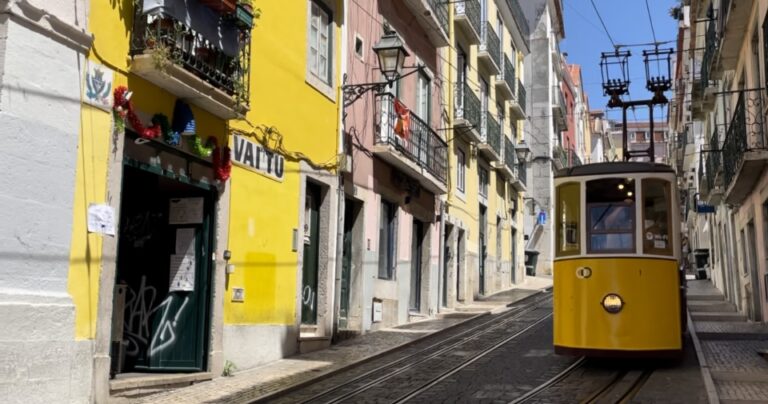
(39, 19)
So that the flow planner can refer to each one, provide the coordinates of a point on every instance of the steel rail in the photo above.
(460, 338)
(560, 376)
(461, 366)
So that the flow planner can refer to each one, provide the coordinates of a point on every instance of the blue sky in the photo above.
(627, 22)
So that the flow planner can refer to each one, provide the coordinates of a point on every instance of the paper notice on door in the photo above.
(182, 273)
(101, 219)
(185, 211)
(185, 241)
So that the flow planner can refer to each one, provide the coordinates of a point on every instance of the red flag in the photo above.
(403, 124)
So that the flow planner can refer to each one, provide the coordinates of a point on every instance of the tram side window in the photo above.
(657, 239)
(611, 215)
(567, 219)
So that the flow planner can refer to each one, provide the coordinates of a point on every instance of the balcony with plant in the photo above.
(197, 50)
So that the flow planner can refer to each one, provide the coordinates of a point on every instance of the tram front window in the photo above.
(656, 217)
(610, 215)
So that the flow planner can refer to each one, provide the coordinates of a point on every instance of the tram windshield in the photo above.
(610, 215)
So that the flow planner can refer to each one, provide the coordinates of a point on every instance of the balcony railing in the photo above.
(522, 173)
(745, 132)
(216, 51)
(519, 16)
(510, 158)
(710, 49)
(412, 137)
(468, 106)
(521, 95)
(713, 162)
(492, 133)
(490, 45)
(440, 11)
(508, 73)
(469, 10)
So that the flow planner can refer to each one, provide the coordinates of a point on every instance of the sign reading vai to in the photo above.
(255, 157)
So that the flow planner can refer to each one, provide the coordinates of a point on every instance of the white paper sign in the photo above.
(101, 219)
(182, 273)
(185, 211)
(185, 241)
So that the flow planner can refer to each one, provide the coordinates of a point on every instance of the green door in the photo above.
(483, 249)
(164, 269)
(309, 268)
(346, 263)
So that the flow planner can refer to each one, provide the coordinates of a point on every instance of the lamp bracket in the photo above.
(353, 92)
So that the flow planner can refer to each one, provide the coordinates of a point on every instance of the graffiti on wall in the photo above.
(139, 308)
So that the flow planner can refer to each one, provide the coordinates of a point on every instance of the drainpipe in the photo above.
(341, 195)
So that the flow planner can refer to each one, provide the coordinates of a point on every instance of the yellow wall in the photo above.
(110, 23)
(264, 212)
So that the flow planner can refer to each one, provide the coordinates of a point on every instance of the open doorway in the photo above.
(163, 279)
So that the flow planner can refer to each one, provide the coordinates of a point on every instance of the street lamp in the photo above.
(391, 54)
(522, 151)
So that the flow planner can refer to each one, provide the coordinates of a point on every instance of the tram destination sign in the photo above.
(255, 157)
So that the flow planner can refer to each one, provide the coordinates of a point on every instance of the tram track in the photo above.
(478, 340)
(619, 386)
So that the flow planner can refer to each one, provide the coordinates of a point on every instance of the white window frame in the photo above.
(324, 85)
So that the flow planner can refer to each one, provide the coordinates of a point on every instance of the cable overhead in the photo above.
(650, 20)
(602, 22)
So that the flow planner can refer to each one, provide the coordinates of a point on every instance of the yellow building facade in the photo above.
(484, 220)
(205, 199)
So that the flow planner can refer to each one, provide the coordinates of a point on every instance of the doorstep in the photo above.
(130, 381)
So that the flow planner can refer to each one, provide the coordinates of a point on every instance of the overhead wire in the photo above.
(603, 23)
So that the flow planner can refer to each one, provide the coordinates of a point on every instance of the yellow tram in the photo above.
(617, 283)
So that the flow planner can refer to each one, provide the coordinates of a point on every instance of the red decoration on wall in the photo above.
(124, 109)
(222, 161)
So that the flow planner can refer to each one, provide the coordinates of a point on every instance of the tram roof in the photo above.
(620, 167)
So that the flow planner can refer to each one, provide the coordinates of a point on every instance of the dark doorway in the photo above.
(447, 260)
(350, 216)
(163, 274)
(311, 250)
(513, 256)
(460, 265)
(483, 249)
(417, 251)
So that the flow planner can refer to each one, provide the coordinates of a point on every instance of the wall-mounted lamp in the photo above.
(230, 268)
(522, 151)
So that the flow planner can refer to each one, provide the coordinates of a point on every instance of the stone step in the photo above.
(704, 297)
(711, 306)
(717, 316)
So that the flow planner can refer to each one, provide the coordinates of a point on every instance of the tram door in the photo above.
(483, 249)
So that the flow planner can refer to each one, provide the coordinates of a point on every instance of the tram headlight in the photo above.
(612, 303)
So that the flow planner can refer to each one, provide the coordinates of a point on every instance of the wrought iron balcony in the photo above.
(435, 19)
(710, 47)
(744, 148)
(468, 113)
(489, 52)
(560, 157)
(205, 60)
(558, 109)
(505, 82)
(517, 104)
(407, 142)
(703, 182)
(522, 176)
(519, 16)
(713, 165)
(506, 165)
(491, 134)
(467, 18)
